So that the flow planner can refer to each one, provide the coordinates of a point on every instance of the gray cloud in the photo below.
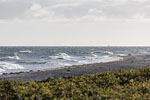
(9, 10)
(71, 9)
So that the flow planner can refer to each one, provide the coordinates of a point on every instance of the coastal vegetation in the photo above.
(131, 84)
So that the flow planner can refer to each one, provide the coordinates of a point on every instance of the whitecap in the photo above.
(1, 70)
(83, 62)
(101, 59)
(92, 52)
(122, 55)
(64, 64)
(25, 51)
(8, 65)
(14, 57)
(108, 52)
(94, 55)
(61, 56)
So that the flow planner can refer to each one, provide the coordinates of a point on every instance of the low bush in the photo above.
(123, 84)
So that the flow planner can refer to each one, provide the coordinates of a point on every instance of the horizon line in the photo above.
(74, 45)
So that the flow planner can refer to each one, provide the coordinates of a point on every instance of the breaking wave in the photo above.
(94, 55)
(108, 52)
(9, 66)
(14, 57)
(61, 56)
(12, 61)
(99, 59)
(78, 60)
(1, 70)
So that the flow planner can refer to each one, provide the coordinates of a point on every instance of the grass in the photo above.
(119, 85)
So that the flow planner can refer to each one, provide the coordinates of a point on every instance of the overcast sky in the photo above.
(75, 22)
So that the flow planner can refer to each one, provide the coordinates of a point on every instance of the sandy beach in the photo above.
(130, 62)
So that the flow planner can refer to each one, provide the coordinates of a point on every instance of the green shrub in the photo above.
(123, 84)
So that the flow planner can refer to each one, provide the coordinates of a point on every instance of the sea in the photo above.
(23, 59)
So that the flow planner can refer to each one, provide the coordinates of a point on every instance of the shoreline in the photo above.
(62, 67)
(128, 62)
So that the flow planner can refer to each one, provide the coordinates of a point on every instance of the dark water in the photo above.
(14, 59)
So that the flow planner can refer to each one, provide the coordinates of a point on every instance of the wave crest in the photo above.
(1, 70)
(108, 52)
(25, 51)
(61, 56)
(14, 57)
(9, 66)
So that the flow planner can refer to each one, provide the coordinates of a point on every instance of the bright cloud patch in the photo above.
(37, 10)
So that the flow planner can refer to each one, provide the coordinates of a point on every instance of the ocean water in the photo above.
(16, 59)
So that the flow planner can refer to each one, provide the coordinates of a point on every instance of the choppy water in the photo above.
(16, 59)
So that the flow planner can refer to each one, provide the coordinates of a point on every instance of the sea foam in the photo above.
(1, 70)
(8, 65)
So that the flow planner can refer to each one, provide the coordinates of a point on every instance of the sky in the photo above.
(74, 22)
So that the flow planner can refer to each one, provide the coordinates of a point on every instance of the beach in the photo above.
(129, 62)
